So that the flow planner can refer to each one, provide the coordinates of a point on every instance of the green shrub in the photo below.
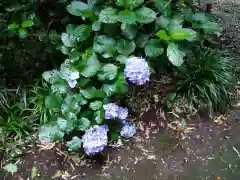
(206, 77)
(104, 55)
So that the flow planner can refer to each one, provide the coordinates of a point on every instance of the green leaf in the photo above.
(22, 33)
(175, 55)
(70, 28)
(108, 72)
(82, 32)
(129, 31)
(122, 59)
(95, 105)
(84, 124)
(79, 8)
(125, 47)
(171, 96)
(53, 102)
(106, 46)
(68, 40)
(96, 26)
(108, 15)
(182, 33)
(79, 98)
(92, 93)
(169, 104)
(65, 125)
(51, 76)
(50, 133)
(141, 40)
(109, 89)
(164, 6)
(99, 116)
(11, 168)
(208, 27)
(91, 66)
(13, 27)
(129, 3)
(127, 17)
(71, 105)
(121, 84)
(145, 15)
(163, 35)
(162, 22)
(154, 48)
(75, 144)
(27, 23)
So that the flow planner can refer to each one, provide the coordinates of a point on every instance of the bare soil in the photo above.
(209, 153)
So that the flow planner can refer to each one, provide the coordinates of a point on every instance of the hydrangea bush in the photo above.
(113, 48)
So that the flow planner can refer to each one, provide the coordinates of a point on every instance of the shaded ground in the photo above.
(210, 153)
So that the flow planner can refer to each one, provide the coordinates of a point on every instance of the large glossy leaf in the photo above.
(129, 3)
(65, 125)
(175, 55)
(91, 66)
(82, 32)
(27, 23)
(53, 102)
(145, 15)
(141, 40)
(50, 133)
(79, 8)
(106, 46)
(96, 26)
(70, 105)
(127, 17)
(154, 48)
(92, 93)
(51, 76)
(84, 124)
(75, 144)
(162, 34)
(99, 116)
(108, 15)
(96, 105)
(128, 30)
(109, 89)
(125, 47)
(182, 33)
(68, 40)
(108, 72)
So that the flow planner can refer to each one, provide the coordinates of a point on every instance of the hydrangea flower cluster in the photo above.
(128, 130)
(72, 79)
(69, 75)
(95, 139)
(137, 70)
(113, 111)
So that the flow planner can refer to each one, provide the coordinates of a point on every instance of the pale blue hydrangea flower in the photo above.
(95, 139)
(72, 79)
(137, 70)
(128, 130)
(122, 113)
(111, 111)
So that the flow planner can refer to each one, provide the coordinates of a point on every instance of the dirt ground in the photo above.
(210, 152)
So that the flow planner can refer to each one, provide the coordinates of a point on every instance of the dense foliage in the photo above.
(105, 53)
(106, 46)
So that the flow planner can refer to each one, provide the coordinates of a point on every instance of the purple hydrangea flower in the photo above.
(95, 139)
(128, 130)
(137, 70)
(111, 111)
(122, 113)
